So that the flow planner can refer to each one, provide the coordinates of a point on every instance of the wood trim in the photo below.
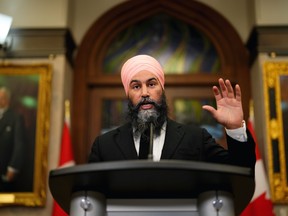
(267, 39)
(37, 43)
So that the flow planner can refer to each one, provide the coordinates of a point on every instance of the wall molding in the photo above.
(39, 43)
(267, 39)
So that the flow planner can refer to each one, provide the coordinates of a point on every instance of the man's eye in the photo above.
(136, 87)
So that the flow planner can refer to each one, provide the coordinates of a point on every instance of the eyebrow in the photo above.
(151, 79)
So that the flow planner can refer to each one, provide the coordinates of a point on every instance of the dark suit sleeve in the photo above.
(104, 148)
(19, 143)
(242, 153)
(95, 154)
(238, 153)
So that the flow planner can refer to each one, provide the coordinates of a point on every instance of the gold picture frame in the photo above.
(275, 79)
(30, 87)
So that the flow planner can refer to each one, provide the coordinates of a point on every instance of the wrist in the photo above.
(236, 126)
(238, 133)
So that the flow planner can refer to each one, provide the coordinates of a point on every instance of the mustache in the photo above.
(146, 101)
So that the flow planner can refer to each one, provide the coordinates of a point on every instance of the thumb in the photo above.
(210, 109)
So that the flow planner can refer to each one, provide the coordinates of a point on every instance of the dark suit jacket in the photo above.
(11, 141)
(182, 142)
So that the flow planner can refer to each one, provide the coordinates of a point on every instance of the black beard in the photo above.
(157, 116)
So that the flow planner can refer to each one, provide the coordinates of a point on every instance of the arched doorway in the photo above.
(97, 86)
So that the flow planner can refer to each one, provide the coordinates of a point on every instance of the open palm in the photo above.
(229, 111)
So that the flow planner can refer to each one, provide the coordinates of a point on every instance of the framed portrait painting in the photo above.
(276, 105)
(24, 133)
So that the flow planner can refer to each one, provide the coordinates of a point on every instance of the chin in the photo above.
(145, 115)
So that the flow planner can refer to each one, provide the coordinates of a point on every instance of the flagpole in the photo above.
(251, 111)
(67, 111)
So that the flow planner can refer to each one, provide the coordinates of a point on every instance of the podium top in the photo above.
(147, 179)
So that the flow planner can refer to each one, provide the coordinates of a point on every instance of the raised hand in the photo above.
(229, 110)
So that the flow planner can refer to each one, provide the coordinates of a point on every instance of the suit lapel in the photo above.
(125, 141)
(174, 133)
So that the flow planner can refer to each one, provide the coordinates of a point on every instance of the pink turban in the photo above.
(140, 63)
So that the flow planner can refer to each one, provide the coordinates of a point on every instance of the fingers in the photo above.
(238, 92)
(217, 93)
(227, 90)
(223, 87)
(230, 90)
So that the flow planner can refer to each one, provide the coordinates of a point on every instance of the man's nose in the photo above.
(145, 91)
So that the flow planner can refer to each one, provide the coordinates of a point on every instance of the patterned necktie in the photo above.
(144, 144)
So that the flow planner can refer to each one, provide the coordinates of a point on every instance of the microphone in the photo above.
(150, 154)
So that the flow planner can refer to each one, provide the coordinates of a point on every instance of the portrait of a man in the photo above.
(12, 142)
(18, 123)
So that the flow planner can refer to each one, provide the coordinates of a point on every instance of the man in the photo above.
(143, 80)
(11, 142)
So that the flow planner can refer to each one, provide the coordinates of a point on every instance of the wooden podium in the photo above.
(85, 189)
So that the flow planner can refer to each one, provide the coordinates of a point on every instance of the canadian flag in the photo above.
(66, 154)
(260, 204)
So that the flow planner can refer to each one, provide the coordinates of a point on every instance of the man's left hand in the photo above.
(229, 110)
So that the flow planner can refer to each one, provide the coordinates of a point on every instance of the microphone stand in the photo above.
(150, 155)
